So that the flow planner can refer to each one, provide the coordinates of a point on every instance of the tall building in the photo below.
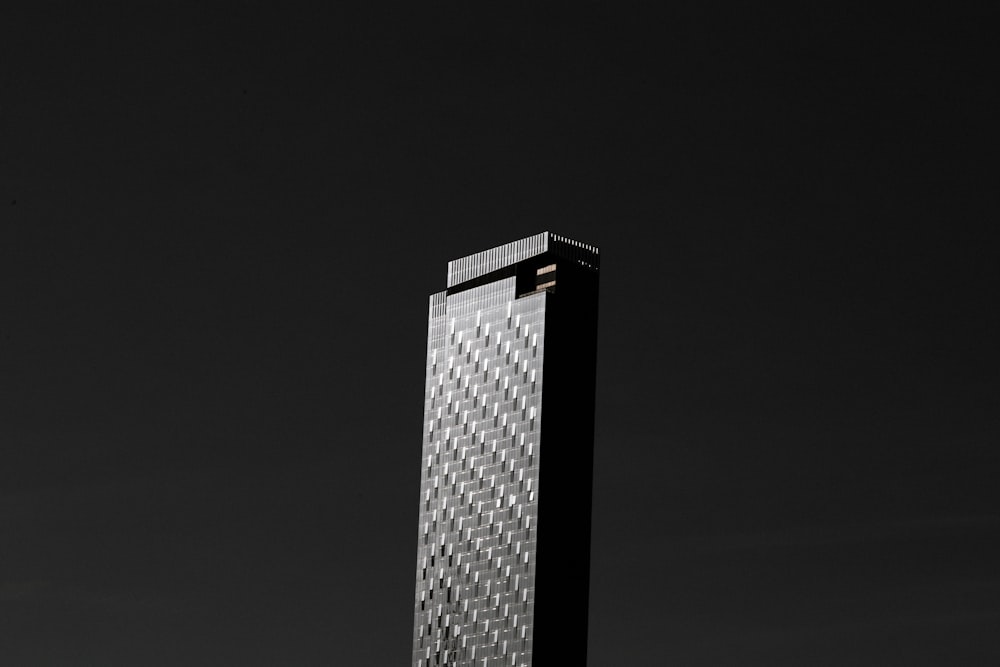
(503, 556)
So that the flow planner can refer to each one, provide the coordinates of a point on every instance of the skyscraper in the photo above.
(503, 556)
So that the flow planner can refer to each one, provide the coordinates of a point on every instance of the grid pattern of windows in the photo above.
(479, 479)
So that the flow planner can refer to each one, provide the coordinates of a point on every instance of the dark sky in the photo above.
(219, 228)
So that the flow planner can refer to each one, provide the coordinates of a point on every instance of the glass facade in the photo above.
(513, 335)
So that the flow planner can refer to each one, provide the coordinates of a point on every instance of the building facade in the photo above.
(503, 556)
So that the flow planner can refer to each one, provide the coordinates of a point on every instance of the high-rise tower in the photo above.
(503, 556)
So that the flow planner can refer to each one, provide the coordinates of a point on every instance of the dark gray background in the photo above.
(219, 228)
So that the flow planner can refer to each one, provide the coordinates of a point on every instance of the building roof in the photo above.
(487, 261)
